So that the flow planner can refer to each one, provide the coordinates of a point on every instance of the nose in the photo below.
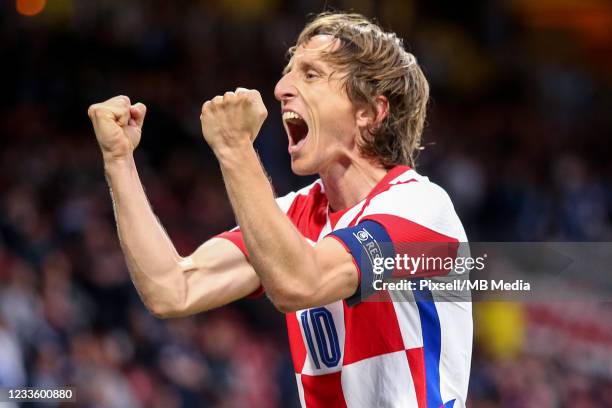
(284, 89)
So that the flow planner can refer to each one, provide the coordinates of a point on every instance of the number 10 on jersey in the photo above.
(321, 336)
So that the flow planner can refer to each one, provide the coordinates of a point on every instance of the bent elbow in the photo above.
(285, 307)
(168, 298)
(288, 301)
(163, 315)
(164, 304)
(163, 311)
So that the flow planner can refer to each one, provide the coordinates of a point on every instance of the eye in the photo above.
(311, 75)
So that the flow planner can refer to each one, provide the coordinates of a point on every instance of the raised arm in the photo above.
(295, 274)
(170, 285)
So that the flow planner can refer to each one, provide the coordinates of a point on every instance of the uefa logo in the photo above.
(362, 235)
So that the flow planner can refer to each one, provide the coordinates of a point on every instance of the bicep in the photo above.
(217, 273)
(339, 276)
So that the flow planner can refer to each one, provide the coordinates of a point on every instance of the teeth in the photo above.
(291, 115)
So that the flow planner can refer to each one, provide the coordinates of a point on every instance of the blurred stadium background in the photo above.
(519, 134)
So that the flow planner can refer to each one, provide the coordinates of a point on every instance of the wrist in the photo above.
(115, 165)
(229, 156)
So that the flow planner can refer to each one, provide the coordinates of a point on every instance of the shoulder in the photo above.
(414, 198)
(310, 196)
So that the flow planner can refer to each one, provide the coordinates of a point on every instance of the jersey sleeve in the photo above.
(401, 234)
(235, 236)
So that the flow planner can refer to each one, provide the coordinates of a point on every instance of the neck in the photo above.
(348, 183)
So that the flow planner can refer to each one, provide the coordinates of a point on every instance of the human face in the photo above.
(317, 114)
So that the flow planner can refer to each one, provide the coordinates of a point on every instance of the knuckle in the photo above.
(206, 111)
(99, 111)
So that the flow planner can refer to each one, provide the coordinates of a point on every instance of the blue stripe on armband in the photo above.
(367, 242)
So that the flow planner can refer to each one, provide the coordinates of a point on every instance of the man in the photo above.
(353, 105)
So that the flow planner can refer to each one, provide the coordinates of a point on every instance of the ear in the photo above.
(371, 116)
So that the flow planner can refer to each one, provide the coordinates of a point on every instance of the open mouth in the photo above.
(297, 129)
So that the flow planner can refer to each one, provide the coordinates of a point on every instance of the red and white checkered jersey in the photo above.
(380, 354)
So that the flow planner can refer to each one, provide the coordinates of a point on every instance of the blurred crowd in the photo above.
(518, 133)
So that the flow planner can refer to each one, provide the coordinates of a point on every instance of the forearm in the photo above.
(155, 267)
(283, 259)
(294, 274)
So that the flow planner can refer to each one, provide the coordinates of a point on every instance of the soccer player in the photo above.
(353, 104)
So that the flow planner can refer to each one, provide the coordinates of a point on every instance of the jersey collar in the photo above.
(382, 185)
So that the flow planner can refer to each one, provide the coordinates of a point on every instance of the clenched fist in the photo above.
(118, 126)
(232, 120)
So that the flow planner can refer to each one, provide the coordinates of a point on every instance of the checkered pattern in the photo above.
(391, 354)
